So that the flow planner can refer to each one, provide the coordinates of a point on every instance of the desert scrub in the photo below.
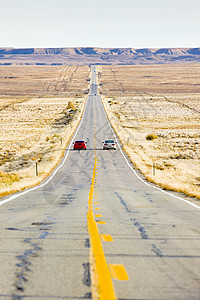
(52, 139)
(151, 137)
(111, 102)
(71, 106)
(7, 179)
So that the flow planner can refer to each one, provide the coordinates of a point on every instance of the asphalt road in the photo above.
(150, 240)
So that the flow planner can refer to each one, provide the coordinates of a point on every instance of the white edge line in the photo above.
(155, 187)
(13, 197)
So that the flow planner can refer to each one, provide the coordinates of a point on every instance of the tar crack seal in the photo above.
(123, 202)
(23, 265)
(141, 230)
(86, 276)
(156, 250)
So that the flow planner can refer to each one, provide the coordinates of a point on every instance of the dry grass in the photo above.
(116, 80)
(171, 116)
(35, 129)
(43, 81)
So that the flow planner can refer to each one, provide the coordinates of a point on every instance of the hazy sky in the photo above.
(103, 23)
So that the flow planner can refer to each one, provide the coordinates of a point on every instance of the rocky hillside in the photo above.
(92, 55)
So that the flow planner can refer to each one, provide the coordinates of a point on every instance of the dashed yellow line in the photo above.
(118, 272)
(98, 216)
(106, 238)
(101, 222)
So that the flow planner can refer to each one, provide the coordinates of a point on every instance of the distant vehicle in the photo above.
(80, 145)
(109, 144)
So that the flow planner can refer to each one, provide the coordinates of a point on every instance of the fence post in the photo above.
(154, 169)
(36, 169)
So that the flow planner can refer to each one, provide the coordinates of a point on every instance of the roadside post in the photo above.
(127, 141)
(36, 169)
(154, 168)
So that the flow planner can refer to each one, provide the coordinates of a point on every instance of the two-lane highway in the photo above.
(94, 229)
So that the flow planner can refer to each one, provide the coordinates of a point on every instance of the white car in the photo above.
(109, 144)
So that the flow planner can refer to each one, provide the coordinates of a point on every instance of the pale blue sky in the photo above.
(103, 23)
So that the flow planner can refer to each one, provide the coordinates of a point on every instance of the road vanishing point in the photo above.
(96, 230)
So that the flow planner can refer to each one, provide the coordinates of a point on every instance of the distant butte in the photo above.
(93, 55)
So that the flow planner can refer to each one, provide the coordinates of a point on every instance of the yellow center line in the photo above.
(94, 135)
(102, 285)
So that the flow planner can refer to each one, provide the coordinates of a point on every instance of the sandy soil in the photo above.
(173, 118)
(36, 129)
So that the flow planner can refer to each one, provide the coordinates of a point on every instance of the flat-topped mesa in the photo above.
(96, 55)
(10, 51)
